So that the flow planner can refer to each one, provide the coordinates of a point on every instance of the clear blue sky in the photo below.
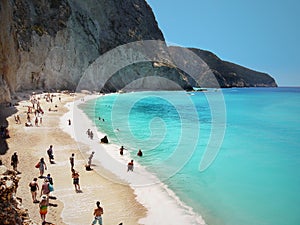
(263, 35)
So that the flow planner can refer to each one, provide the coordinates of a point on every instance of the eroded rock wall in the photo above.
(49, 44)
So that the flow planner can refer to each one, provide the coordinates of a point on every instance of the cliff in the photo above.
(232, 75)
(50, 44)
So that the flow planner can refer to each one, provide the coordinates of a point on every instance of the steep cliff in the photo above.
(49, 44)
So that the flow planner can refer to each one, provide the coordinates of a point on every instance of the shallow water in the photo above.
(254, 178)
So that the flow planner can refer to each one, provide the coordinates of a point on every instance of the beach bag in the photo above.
(51, 188)
(37, 165)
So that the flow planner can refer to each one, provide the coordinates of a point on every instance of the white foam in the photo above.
(162, 204)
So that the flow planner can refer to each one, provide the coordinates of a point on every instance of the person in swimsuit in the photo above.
(34, 186)
(42, 167)
(43, 207)
(98, 212)
(130, 166)
(45, 188)
(75, 176)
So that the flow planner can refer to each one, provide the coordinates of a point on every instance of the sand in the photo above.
(31, 143)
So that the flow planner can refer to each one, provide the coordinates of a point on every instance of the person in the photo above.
(42, 167)
(50, 154)
(88, 132)
(18, 119)
(49, 179)
(14, 161)
(122, 150)
(98, 212)
(140, 153)
(34, 186)
(69, 122)
(36, 122)
(88, 166)
(43, 207)
(91, 135)
(75, 176)
(28, 124)
(28, 118)
(130, 166)
(45, 188)
(72, 161)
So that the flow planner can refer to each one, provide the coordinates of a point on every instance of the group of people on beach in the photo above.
(45, 188)
(90, 134)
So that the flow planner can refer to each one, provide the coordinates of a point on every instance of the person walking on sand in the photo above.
(42, 167)
(75, 176)
(45, 188)
(90, 159)
(15, 161)
(72, 161)
(50, 154)
(34, 186)
(43, 207)
(98, 212)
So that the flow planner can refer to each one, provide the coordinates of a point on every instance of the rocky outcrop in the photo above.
(50, 44)
(12, 211)
(232, 75)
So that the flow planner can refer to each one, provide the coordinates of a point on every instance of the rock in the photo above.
(104, 140)
(11, 209)
(49, 45)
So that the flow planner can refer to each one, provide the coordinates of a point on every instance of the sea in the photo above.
(232, 155)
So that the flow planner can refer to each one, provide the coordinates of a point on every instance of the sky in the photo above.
(263, 35)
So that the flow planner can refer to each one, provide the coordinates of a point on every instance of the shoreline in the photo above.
(161, 203)
(70, 207)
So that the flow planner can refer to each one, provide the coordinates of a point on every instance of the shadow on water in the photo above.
(5, 112)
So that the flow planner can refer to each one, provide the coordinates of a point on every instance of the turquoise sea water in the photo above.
(255, 177)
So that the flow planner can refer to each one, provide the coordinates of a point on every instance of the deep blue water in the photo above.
(254, 178)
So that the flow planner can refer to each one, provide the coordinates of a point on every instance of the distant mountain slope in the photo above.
(50, 44)
(232, 75)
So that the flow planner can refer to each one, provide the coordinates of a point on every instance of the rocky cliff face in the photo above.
(12, 211)
(49, 44)
(232, 75)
